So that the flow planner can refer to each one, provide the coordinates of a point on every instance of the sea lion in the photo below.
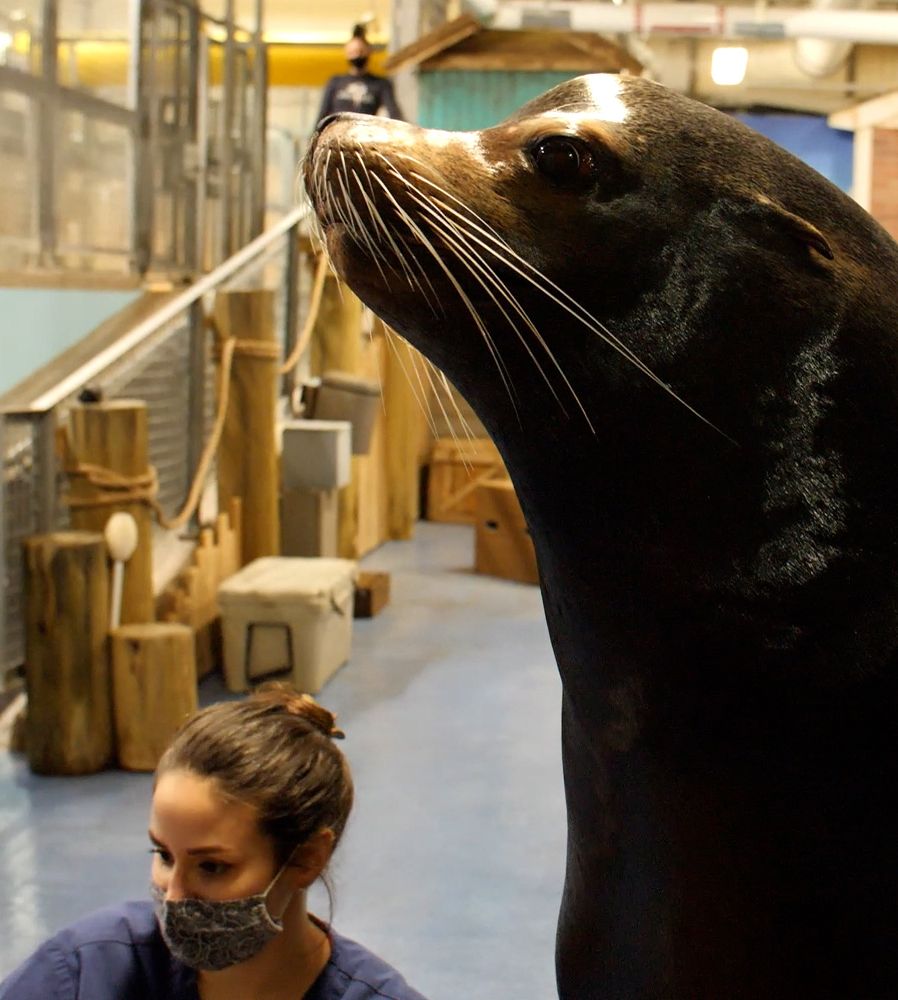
(683, 341)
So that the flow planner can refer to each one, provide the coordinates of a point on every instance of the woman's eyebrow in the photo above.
(211, 849)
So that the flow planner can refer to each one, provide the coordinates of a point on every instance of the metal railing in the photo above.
(165, 360)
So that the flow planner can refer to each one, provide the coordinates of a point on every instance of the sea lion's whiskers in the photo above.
(543, 283)
(447, 388)
(469, 305)
(489, 280)
(374, 215)
(485, 278)
(436, 395)
(585, 317)
(374, 252)
(422, 400)
(382, 227)
(342, 207)
(359, 231)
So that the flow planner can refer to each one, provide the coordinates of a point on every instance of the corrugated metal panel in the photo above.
(474, 99)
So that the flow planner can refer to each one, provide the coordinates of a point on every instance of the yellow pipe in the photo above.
(105, 64)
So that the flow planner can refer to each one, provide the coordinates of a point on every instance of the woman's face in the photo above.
(206, 846)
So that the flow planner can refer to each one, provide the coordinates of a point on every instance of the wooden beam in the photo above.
(880, 112)
(89, 280)
(442, 38)
(540, 51)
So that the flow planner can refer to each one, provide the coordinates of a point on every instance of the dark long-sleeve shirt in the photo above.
(363, 93)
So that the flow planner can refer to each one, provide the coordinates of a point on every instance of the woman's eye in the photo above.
(563, 159)
(214, 867)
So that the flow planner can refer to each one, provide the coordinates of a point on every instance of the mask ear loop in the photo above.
(279, 920)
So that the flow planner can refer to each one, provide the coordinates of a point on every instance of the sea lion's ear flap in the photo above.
(803, 231)
(794, 225)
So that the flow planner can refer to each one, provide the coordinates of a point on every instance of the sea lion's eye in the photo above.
(562, 159)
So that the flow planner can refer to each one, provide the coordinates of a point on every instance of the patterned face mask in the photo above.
(214, 934)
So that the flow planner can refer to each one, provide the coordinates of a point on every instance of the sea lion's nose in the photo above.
(323, 124)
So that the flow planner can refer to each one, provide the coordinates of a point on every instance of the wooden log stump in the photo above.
(154, 689)
(69, 721)
(247, 463)
(113, 435)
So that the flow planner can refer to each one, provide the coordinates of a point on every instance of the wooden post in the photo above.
(113, 435)
(336, 338)
(406, 438)
(337, 346)
(69, 722)
(247, 462)
(154, 689)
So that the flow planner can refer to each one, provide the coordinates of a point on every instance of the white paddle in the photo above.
(121, 541)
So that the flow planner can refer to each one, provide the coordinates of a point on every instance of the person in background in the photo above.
(249, 802)
(358, 90)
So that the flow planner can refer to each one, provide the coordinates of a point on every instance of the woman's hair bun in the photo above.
(282, 695)
(358, 31)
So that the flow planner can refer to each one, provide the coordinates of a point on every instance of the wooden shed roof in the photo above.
(464, 44)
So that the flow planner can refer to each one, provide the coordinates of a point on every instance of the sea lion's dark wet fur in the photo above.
(722, 606)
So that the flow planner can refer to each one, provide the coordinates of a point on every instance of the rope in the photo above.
(115, 488)
(302, 341)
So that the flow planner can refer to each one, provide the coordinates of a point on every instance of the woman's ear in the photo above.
(310, 859)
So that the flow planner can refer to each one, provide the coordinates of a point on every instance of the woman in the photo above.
(358, 90)
(249, 802)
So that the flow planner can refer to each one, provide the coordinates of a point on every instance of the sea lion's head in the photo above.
(610, 233)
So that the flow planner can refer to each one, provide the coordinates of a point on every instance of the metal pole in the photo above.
(205, 247)
(143, 144)
(291, 305)
(45, 483)
(192, 183)
(260, 120)
(4, 577)
(47, 152)
(132, 100)
(227, 136)
(196, 392)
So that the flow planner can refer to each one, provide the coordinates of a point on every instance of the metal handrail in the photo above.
(143, 331)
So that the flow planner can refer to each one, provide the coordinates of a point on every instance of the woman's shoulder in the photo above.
(355, 973)
(105, 954)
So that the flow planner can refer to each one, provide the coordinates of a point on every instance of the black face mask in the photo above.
(360, 62)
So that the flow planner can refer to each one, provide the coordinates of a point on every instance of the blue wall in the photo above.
(828, 150)
(38, 324)
(465, 100)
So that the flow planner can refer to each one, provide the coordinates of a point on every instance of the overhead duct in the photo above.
(698, 20)
(819, 57)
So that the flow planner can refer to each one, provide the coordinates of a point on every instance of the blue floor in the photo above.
(452, 864)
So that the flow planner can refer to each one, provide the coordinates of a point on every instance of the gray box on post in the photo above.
(316, 454)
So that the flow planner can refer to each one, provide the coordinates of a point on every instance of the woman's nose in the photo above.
(174, 885)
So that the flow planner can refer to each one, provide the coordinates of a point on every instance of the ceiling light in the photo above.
(728, 65)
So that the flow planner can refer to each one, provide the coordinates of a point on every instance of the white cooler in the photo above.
(287, 618)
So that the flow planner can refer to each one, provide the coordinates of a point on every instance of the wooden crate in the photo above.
(503, 546)
(456, 469)
(372, 594)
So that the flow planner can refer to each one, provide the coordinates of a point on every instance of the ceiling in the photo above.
(317, 21)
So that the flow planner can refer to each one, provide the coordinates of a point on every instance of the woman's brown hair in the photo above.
(275, 751)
